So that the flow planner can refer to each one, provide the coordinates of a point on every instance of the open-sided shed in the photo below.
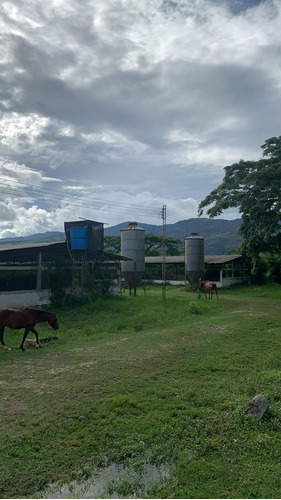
(27, 270)
(224, 270)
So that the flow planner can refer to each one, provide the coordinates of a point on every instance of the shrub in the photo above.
(193, 308)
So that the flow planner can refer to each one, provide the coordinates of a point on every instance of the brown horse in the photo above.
(25, 318)
(209, 288)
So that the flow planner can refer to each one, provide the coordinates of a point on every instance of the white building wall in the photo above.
(232, 281)
(24, 298)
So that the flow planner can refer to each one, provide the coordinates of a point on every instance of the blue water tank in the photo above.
(78, 238)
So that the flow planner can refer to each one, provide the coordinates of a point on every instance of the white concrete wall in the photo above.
(225, 282)
(24, 298)
(232, 281)
(170, 282)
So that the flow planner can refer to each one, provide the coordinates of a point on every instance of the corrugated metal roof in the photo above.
(174, 259)
(29, 250)
(26, 252)
(20, 246)
(170, 259)
(178, 259)
(220, 259)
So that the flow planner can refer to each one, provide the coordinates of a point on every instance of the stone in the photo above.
(257, 407)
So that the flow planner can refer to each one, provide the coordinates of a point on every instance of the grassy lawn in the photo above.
(146, 385)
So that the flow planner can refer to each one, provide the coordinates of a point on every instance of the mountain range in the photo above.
(220, 235)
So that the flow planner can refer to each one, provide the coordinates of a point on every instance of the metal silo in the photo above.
(194, 258)
(133, 247)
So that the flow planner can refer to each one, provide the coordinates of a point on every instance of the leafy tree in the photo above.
(172, 246)
(112, 244)
(271, 264)
(234, 251)
(153, 244)
(254, 187)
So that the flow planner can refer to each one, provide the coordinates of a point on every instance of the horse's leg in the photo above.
(2, 339)
(2, 336)
(24, 337)
(36, 335)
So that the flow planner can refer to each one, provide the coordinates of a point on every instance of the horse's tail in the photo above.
(215, 288)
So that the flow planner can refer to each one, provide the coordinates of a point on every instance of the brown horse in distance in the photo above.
(209, 288)
(25, 318)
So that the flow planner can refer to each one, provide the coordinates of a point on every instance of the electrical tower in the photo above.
(164, 249)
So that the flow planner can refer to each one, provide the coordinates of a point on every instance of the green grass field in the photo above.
(152, 389)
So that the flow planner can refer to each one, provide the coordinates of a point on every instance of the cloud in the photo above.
(138, 101)
(7, 214)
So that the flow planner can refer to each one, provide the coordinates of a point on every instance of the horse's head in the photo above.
(53, 322)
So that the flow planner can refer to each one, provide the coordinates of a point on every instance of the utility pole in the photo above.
(163, 215)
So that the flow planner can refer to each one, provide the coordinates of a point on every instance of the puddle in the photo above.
(113, 481)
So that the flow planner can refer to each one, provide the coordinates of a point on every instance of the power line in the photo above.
(21, 189)
(82, 204)
(57, 196)
(94, 205)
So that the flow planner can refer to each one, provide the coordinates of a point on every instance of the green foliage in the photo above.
(193, 307)
(103, 280)
(90, 286)
(270, 267)
(153, 244)
(254, 187)
(59, 278)
(234, 251)
(112, 244)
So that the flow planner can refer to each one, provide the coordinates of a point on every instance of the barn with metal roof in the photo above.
(224, 270)
(27, 271)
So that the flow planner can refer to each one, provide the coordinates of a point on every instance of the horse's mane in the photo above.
(39, 312)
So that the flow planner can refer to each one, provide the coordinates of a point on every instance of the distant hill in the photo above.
(51, 236)
(220, 235)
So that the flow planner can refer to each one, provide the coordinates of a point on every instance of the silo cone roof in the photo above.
(132, 226)
(194, 236)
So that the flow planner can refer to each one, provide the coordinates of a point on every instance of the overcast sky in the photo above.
(111, 109)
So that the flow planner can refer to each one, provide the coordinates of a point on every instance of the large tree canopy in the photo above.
(254, 187)
(153, 244)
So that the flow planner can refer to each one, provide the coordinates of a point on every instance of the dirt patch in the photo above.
(112, 481)
(10, 405)
(211, 328)
(117, 341)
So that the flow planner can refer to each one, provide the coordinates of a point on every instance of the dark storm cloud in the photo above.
(151, 99)
(146, 107)
(240, 6)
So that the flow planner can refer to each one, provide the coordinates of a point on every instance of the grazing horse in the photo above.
(209, 288)
(25, 318)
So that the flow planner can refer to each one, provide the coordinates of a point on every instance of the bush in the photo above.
(193, 308)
